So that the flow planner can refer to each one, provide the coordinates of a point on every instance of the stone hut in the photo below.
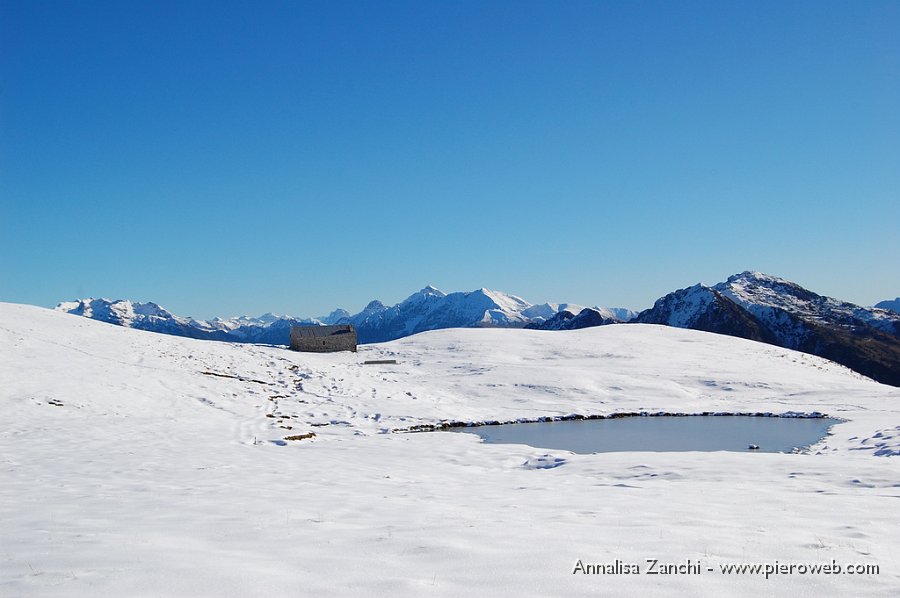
(323, 339)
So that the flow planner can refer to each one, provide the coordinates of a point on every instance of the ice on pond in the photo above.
(664, 434)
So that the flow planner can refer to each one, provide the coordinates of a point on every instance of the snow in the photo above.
(140, 464)
(545, 311)
(506, 302)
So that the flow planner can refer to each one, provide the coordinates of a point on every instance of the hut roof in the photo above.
(322, 331)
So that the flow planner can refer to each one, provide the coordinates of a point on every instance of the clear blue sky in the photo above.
(235, 157)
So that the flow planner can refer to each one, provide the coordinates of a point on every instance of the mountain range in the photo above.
(427, 309)
(749, 305)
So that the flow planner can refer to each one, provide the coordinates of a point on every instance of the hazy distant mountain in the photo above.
(428, 309)
(765, 308)
(891, 304)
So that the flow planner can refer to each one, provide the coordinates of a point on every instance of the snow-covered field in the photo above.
(139, 464)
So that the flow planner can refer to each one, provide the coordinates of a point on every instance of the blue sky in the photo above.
(223, 158)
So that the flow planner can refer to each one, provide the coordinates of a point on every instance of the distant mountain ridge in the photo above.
(586, 318)
(765, 308)
(267, 328)
(750, 305)
(427, 309)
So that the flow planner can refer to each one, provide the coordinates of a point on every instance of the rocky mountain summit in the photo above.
(765, 308)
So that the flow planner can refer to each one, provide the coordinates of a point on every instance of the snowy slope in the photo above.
(683, 308)
(137, 464)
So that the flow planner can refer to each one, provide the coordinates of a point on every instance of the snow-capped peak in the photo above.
(429, 293)
(756, 287)
(374, 306)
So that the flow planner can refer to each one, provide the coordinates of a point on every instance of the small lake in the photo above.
(663, 434)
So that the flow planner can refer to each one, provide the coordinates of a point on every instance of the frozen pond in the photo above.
(659, 433)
